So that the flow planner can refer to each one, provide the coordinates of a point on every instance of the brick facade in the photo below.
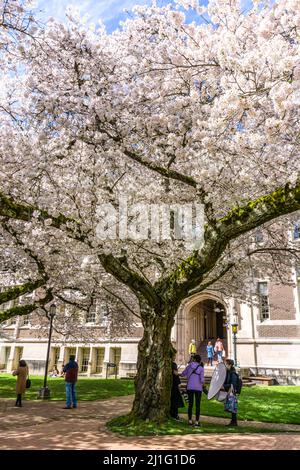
(279, 331)
(281, 300)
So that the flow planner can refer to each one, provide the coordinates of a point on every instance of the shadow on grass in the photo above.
(121, 426)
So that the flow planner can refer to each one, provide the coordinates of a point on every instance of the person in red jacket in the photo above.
(71, 373)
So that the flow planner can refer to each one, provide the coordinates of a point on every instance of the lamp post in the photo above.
(45, 391)
(234, 327)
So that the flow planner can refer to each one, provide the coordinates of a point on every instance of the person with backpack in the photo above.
(232, 385)
(195, 380)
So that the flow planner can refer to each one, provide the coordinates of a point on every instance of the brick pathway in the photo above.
(45, 425)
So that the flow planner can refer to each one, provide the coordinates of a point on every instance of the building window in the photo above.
(56, 352)
(259, 236)
(85, 359)
(115, 358)
(296, 232)
(103, 314)
(26, 320)
(91, 315)
(99, 360)
(69, 352)
(264, 307)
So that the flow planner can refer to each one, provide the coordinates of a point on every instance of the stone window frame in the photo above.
(259, 235)
(90, 317)
(25, 321)
(263, 298)
(84, 363)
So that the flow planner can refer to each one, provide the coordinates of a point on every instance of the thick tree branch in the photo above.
(166, 172)
(204, 286)
(11, 209)
(22, 310)
(190, 273)
(134, 281)
(113, 294)
(12, 293)
(15, 210)
(28, 251)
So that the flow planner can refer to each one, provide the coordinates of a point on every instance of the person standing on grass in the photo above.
(176, 398)
(22, 374)
(231, 383)
(195, 380)
(71, 373)
(210, 353)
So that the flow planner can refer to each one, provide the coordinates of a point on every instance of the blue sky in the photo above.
(110, 11)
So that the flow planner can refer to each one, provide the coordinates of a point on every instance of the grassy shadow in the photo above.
(121, 426)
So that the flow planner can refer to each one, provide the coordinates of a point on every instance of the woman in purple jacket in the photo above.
(195, 375)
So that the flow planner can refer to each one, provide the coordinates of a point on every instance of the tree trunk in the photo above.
(154, 375)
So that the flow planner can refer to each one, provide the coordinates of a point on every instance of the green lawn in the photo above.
(277, 404)
(87, 388)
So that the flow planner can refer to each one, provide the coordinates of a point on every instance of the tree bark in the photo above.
(154, 375)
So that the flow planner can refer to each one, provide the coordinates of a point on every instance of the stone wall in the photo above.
(281, 376)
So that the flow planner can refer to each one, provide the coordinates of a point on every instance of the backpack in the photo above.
(239, 384)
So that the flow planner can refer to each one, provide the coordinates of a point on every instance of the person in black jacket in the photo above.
(231, 379)
(176, 398)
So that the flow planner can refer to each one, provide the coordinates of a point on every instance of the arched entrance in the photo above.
(201, 317)
(205, 320)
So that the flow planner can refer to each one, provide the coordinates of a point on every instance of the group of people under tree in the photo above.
(69, 372)
(194, 372)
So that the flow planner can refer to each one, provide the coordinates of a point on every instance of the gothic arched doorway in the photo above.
(204, 319)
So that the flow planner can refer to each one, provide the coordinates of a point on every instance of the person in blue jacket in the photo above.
(210, 353)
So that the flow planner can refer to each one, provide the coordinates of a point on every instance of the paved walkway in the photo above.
(45, 425)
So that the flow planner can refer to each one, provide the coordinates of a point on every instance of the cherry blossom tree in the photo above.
(162, 111)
